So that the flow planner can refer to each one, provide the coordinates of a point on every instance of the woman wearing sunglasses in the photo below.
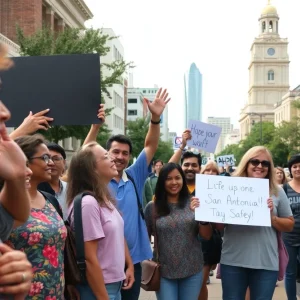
(42, 237)
(250, 253)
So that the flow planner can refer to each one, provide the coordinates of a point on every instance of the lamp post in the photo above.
(261, 115)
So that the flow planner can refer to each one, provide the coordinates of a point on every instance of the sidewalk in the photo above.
(215, 291)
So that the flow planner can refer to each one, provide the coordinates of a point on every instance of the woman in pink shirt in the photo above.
(91, 169)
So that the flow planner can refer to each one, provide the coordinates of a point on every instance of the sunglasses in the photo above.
(257, 162)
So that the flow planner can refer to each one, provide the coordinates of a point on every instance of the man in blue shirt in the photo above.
(120, 147)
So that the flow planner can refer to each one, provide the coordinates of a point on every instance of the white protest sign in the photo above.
(204, 136)
(233, 200)
(177, 142)
(225, 160)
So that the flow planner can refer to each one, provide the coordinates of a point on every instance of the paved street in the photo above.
(215, 292)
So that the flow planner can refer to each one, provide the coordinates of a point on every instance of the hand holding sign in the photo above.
(204, 136)
(194, 203)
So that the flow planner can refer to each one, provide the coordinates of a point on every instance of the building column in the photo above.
(68, 145)
(50, 18)
(60, 25)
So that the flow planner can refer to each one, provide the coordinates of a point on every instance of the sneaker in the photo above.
(211, 273)
(208, 281)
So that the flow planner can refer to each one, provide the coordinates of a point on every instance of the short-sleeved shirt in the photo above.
(42, 239)
(6, 223)
(293, 238)
(135, 228)
(255, 247)
(180, 253)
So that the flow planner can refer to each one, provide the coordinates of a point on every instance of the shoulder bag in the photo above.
(151, 269)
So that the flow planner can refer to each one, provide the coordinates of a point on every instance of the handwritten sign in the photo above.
(177, 142)
(204, 136)
(233, 200)
(225, 160)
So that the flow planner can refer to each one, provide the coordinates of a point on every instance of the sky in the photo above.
(162, 39)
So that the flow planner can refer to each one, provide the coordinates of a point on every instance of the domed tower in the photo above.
(268, 71)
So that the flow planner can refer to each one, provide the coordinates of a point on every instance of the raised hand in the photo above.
(186, 135)
(157, 106)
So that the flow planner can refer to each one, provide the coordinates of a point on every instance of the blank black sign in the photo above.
(67, 84)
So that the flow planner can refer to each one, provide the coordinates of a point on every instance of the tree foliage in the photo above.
(137, 131)
(74, 41)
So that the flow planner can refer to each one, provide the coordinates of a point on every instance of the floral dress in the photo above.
(42, 238)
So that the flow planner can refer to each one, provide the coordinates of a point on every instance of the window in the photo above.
(144, 91)
(132, 100)
(263, 27)
(271, 75)
(118, 122)
(118, 100)
(132, 112)
(270, 26)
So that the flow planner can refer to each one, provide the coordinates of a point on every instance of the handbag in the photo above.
(283, 257)
(151, 269)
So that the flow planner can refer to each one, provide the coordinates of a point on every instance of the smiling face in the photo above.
(41, 171)
(190, 167)
(121, 154)
(295, 170)
(28, 176)
(59, 164)
(106, 167)
(279, 176)
(173, 183)
(257, 166)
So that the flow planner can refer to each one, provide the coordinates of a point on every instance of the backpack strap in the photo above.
(79, 240)
(52, 199)
(137, 196)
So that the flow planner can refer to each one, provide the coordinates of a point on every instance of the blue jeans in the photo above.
(180, 289)
(113, 290)
(291, 272)
(134, 292)
(235, 281)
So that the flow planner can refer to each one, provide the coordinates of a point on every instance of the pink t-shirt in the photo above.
(108, 226)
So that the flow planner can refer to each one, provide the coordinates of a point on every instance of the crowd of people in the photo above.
(123, 206)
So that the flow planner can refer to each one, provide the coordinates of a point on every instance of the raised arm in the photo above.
(32, 123)
(186, 135)
(14, 196)
(93, 133)
(156, 109)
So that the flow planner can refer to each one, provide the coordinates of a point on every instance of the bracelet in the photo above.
(155, 122)
(182, 149)
(203, 223)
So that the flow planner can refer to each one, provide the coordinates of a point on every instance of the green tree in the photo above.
(137, 131)
(74, 41)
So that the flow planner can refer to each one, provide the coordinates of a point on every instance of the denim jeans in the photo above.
(113, 290)
(180, 289)
(291, 272)
(134, 292)
(235, 281)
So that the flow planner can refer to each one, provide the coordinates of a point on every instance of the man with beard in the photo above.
(127, 187)
(190, 162)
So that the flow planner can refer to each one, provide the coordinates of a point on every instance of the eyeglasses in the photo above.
(257, 162)
(46, 158)
(56, 158)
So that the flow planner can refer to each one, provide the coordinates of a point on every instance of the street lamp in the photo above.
(261, 115)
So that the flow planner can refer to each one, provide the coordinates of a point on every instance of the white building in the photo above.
(150, 93)
(226, 126)
(232, 138)
(116, 120)
(268, 72)
(135, 107)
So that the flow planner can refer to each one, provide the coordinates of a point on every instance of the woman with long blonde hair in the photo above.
(250, 253)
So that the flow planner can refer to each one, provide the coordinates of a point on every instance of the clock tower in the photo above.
(268, 72)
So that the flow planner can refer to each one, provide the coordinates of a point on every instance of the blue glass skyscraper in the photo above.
(193, 94)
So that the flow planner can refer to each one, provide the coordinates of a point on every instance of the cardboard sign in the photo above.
(233, 200)
(67, 84)
(177, 142)
(225, 160)
(204, 136)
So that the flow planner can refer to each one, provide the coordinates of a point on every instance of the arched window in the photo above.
(263, 26)
(271, 75)
(271, 26)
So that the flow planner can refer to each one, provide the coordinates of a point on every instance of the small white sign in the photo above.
(233, 200)
(177, 142)
(204, 136)
(225, 160)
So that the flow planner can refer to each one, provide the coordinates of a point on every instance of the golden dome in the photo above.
(269, 10)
